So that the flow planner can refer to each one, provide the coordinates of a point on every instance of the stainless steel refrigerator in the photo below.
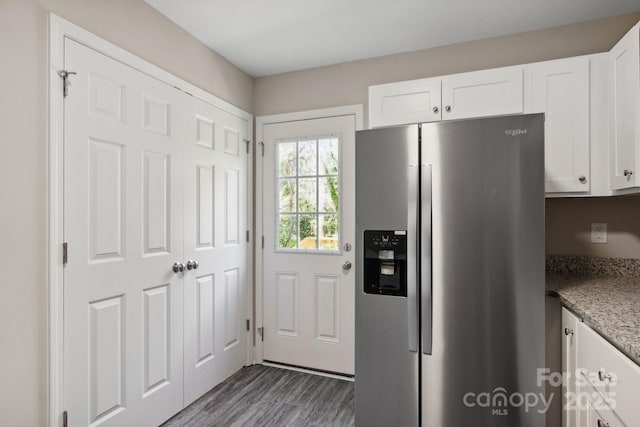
(450, 274)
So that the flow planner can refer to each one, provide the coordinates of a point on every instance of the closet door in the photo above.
(215, 218)
(123, 222)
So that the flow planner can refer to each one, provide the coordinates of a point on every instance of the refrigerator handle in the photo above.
(412, 258)
(426, 260)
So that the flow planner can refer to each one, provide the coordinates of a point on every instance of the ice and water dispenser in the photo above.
(385, 262)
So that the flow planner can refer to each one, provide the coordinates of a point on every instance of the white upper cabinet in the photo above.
(483, 93)
(625, 112)
(415, 101)
(560, 89)
(477, 94)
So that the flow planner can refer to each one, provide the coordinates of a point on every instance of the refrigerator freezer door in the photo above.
(488, 272)
(386, 371)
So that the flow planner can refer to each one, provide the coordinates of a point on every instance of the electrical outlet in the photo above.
(599, 232)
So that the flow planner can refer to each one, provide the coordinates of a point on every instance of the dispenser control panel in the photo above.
(385, 262)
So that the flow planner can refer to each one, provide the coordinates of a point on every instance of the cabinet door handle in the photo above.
(602, 423)
(568, 331)
(436, 110)
(603, 376)
(582, 179)
(447, 108)
(628, 173)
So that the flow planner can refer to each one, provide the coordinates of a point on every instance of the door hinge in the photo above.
(65, 419)
(248, 235)
(262, 145)
(246, 141)
(262, 242)
(65, 253)
(248, 325)
(261, 332)
(64, 75)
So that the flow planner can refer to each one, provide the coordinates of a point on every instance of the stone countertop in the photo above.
(608, 304)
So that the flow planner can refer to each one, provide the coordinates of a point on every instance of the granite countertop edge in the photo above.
(599, 322)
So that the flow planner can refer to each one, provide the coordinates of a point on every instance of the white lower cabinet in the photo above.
(569, 355)
(602, 385)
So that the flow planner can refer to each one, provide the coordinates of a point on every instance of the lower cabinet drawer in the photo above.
(612, 374)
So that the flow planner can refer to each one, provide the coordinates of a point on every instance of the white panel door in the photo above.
(308, 217)
(123, 224)
(561, 91)
(215, 197)
(483, 93)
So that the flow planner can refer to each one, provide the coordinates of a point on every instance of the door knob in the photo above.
(568, 331)
(178, 267)
(628, 173)
(436, 110)
(192, 265)
(447, 108)
(346, 265)
(582, 179)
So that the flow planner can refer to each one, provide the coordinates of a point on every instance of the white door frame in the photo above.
(59, 29)
(357, 111)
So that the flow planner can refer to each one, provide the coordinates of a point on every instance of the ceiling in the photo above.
(276, 36)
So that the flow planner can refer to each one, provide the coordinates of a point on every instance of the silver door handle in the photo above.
(426, 272)
(346, 265)
(192, 265)
(178, 267)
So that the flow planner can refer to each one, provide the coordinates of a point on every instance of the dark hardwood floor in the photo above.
(266, 396)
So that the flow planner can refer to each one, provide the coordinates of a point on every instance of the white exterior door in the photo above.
(152, 177)
(308, 185)
(123, 224)
(215, 198)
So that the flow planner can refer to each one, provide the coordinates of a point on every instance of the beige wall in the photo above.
(569, 226)
(131, 24)
(568, 220)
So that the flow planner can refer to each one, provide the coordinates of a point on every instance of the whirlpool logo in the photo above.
(515, 132)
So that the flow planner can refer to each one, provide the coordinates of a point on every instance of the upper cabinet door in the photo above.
(483, 93)
(625, 110)
(415, 101)
(560, 89)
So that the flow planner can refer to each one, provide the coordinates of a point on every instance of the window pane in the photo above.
(329, 194)
(307, 195)
(308, 232)
(329, 232)
(307, 158)
(287, 195)
(328, 151)
(287, 231)
(287, 159)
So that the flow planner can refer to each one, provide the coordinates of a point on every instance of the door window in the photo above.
(308, 178)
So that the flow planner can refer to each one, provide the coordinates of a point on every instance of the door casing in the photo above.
(59, 29)
(356, 110)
